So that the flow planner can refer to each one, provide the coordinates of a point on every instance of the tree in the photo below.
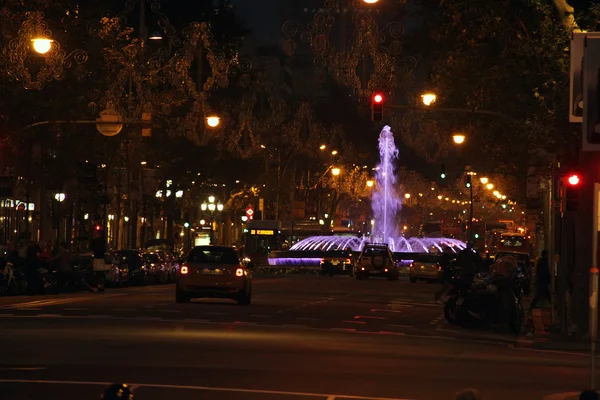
(349, 194)
(505, 56)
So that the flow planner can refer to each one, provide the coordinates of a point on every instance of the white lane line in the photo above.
(75, 309)
(203, 388)
(23, 369)
(392, 333)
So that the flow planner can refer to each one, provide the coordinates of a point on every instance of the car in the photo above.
(376, 259)
(337, 263)
(213, 271)
(427, 267)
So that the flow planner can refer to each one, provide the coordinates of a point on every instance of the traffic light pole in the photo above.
(471, 237)
(453, 110)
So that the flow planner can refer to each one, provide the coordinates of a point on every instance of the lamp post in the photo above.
(212, 207)
(58, 199)
(36, 35)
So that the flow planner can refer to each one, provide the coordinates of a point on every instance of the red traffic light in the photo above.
(378, 98)
(98, 228)
(573, 179)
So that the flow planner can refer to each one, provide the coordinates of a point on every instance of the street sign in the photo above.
(576, 81)
(250, 213)
(591, 82)
(105, 128)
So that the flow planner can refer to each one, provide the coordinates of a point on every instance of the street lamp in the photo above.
(35, 32)
(211, 207)
(484, 180)
(489, 186)
(407, 196)
(335, 171)
(370, 1)
(334, 153)
(322, 147)
(42, 45)
(213, 121)
(428, 98)
(458, 138)
(370, 183)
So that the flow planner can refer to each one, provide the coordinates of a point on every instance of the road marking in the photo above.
(392, 333)
(355, 322)
(563, 396)
(54, 302)
(203, 388)
(367, 317)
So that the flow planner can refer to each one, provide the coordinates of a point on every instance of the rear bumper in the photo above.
(202, 289)
(425, 275)
(338, 269)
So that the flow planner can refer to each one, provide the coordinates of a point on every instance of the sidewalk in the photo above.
(545, 339)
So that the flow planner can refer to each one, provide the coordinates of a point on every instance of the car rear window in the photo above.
(375, 251)
(221, 255)
(427, 258)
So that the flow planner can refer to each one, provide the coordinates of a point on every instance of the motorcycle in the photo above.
(480, 305)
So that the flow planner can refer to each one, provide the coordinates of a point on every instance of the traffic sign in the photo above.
(250, 212)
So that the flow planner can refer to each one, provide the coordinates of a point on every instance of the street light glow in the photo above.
(213, 121)
(370, 1)
(458, 138)
(334, 153)
(370, 183)
(42, 45)
(407, 196)
(428, 98)
(336, 171)
(489, 186)
(484, 180)
(322, 147)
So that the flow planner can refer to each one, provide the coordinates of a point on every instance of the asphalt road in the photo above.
(304, 337)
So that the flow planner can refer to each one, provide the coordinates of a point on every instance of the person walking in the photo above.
(543, 278)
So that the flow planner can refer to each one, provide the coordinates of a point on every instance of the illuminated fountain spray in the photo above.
(385, 201)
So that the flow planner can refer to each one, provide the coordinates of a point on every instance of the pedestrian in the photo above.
(99, 248)
(469, 394)
(589, 395)
(542, 272)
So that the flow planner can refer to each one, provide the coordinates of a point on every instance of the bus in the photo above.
(515, 243)
(261, 237)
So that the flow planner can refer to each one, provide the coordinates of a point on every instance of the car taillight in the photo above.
(348, 261)
(239, 272)
(385, 270)
(439, 267)
(184, 270)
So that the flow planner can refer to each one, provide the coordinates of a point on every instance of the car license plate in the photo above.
(207, 271)
(375, 271)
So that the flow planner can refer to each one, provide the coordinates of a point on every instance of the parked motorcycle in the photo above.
(479, 305)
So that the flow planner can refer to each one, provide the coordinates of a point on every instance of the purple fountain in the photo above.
(385, 205)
